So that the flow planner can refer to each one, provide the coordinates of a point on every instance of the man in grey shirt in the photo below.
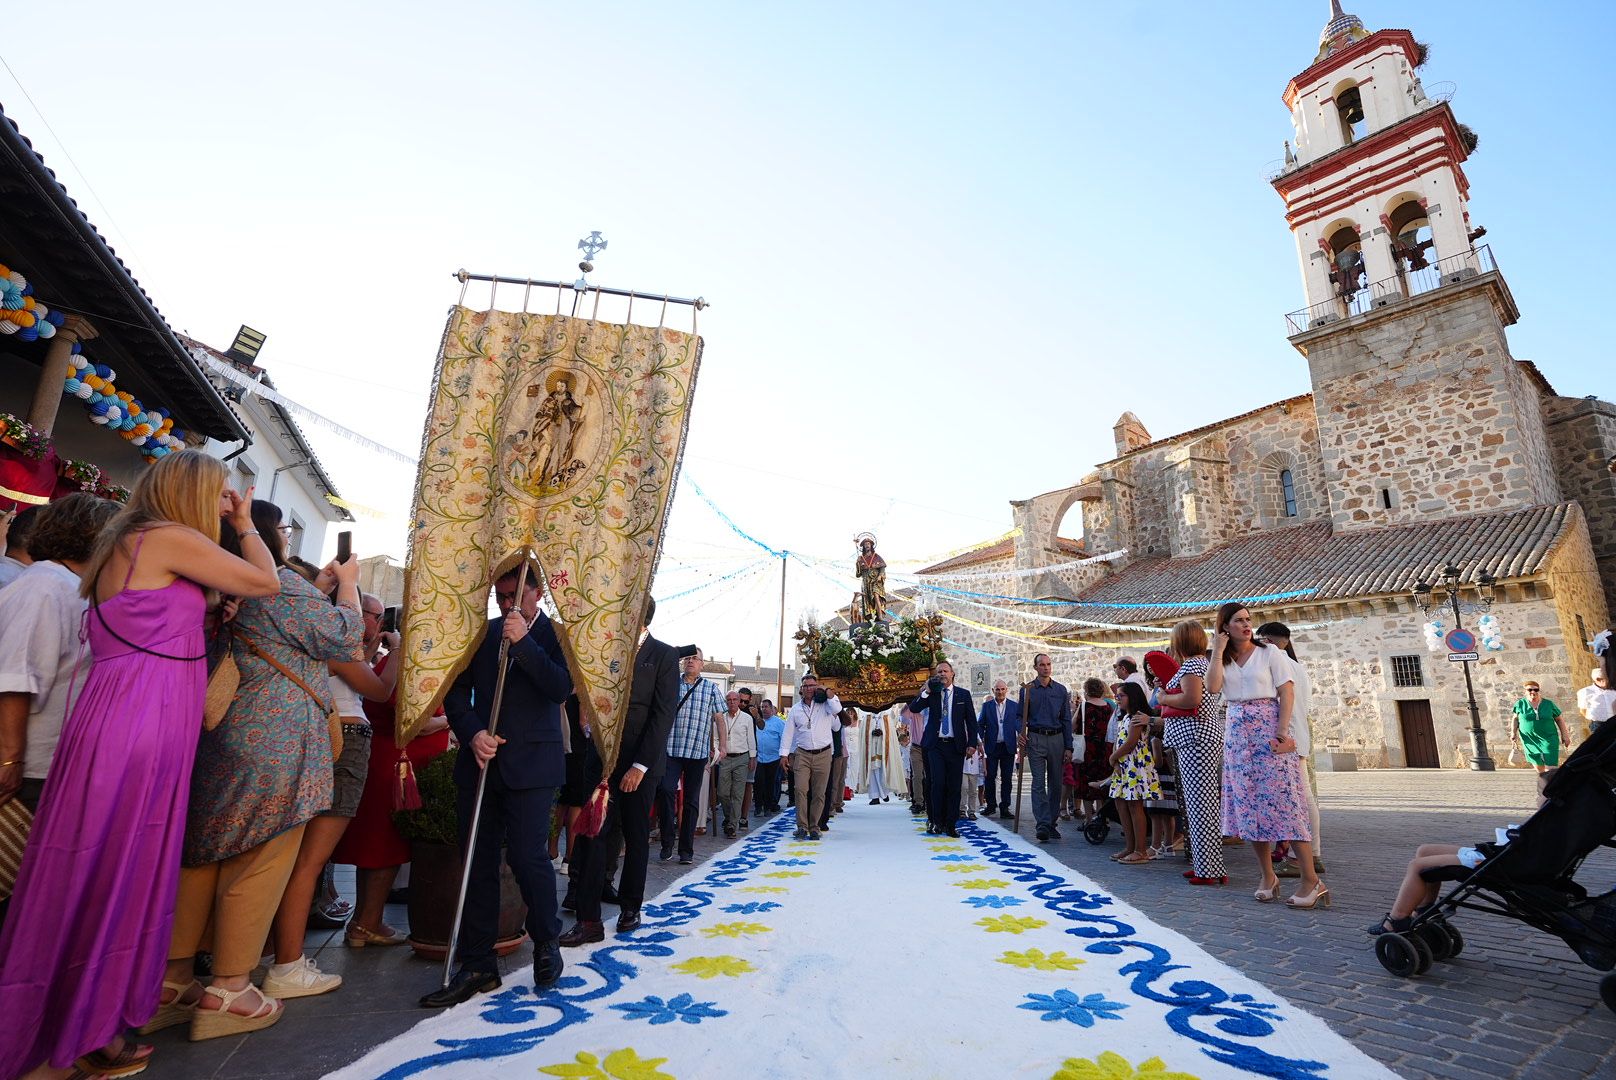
(1046, 740)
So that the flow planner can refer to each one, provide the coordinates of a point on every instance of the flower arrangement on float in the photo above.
(875, 665)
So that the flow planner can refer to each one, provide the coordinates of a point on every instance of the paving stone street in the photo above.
(1516, 1004)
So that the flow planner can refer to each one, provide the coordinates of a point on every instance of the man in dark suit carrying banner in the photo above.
(950, 732)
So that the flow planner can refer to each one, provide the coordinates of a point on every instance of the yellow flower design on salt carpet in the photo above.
(762, 888)
(710, 967)
(622, 1064)
(1041, 961)
(964, 868)
(787, 873)
(1010, 924)
(982, 883)
(734, 929)
(1110, 1066)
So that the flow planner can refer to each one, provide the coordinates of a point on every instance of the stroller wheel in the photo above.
(1096, 829)
(1456, 941)
(1607, 991)
(1437, 939)
(1399, 955)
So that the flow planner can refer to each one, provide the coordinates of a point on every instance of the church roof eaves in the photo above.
(1359, 563)
(999, 549)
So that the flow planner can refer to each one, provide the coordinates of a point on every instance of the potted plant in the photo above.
(435, 868)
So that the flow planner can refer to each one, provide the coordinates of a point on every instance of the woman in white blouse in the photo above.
(1264, 788)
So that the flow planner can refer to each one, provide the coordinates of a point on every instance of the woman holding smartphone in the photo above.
(1264, 797)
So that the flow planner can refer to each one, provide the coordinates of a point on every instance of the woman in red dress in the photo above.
(372, 844)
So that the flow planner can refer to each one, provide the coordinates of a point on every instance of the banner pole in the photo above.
(1021, 760)
(780, 661)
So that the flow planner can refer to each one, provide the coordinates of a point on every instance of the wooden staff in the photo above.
(1021, 758)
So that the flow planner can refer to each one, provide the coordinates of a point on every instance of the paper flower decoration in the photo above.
(1491, 631)
(1434, 632)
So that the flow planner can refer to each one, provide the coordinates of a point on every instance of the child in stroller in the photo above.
(1528, 875)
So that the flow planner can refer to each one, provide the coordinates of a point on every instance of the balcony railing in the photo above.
(1453, 270)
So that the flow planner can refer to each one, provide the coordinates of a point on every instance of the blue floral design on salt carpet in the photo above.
(1065, 1005)
(680, 1007)
(952, 858)
(1223, 1023)
(993, 901)
(751, 907)
(535, 1017)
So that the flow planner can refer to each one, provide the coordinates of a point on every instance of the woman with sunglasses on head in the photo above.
(1264, 797)
(1537, 728)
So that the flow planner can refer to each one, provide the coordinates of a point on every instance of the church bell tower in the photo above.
(1421, 409)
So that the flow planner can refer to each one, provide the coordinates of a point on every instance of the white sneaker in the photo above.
(301, 978)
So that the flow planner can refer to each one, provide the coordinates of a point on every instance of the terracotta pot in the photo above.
(435, 885)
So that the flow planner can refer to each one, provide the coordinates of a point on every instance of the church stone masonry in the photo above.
(1423, 442)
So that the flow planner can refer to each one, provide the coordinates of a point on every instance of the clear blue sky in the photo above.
(946, 244)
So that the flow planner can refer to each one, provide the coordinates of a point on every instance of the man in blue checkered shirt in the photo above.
(693, 745)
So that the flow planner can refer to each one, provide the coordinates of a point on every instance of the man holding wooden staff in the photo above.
(526, 764)
(1046, 743)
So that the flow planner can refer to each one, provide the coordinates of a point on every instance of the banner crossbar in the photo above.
(463, 276)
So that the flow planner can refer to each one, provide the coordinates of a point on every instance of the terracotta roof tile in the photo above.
(1366, 562)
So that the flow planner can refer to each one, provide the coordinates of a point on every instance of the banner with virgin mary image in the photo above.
(555, 435)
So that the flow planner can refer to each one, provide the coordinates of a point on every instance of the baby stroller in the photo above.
(1531, 877)
(1098, 826)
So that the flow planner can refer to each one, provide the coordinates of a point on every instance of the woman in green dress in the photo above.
(1538, 730)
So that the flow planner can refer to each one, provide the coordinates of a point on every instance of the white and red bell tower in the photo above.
(1375, 190)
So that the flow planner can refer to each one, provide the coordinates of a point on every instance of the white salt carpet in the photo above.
(881, 952)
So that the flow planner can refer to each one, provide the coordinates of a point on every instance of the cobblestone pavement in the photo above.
(1516, 1004)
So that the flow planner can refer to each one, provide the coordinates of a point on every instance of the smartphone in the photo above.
(390, 621)
(344, 545)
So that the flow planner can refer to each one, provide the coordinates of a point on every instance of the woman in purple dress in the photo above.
(81, 955)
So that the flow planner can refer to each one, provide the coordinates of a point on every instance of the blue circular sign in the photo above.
(1460, 641)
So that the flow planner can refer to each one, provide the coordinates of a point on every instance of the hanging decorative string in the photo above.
(95, 385)
(1143, 606)
(727, 520)
(1052, 640)
(750, 568)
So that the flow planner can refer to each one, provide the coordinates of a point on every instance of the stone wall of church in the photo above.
(1427, 404)
(1582, 437)
(1187, 497)
(1355, 701)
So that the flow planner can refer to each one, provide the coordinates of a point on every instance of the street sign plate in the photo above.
(1460, 640)
(1460, 657)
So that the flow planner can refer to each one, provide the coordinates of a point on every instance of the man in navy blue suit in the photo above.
(526, 764)
(950, 731)
(1000, 726)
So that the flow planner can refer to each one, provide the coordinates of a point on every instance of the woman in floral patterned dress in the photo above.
(1134, 780)
(260, 777)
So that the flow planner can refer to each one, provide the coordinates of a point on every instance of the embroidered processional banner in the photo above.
(557, 434)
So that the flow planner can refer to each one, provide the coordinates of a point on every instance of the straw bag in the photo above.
(15, 822)
(222, 687)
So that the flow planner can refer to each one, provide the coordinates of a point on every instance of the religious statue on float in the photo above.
(871, 570)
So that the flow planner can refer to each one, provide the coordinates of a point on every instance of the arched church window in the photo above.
(1413, 244)
(1287, 489)
(1346, 262)
(1350, 110)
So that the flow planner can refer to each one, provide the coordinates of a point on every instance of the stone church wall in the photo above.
(1582, 436)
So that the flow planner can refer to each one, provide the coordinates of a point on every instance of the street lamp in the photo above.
(1425, 598)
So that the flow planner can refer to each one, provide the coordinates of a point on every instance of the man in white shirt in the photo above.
(739, 735)
(40, 613)
(805, 750)
(1596, 701)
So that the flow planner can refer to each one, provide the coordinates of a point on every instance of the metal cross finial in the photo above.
(591, 245)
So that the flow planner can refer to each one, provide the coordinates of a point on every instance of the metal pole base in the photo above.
(1480, 759)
